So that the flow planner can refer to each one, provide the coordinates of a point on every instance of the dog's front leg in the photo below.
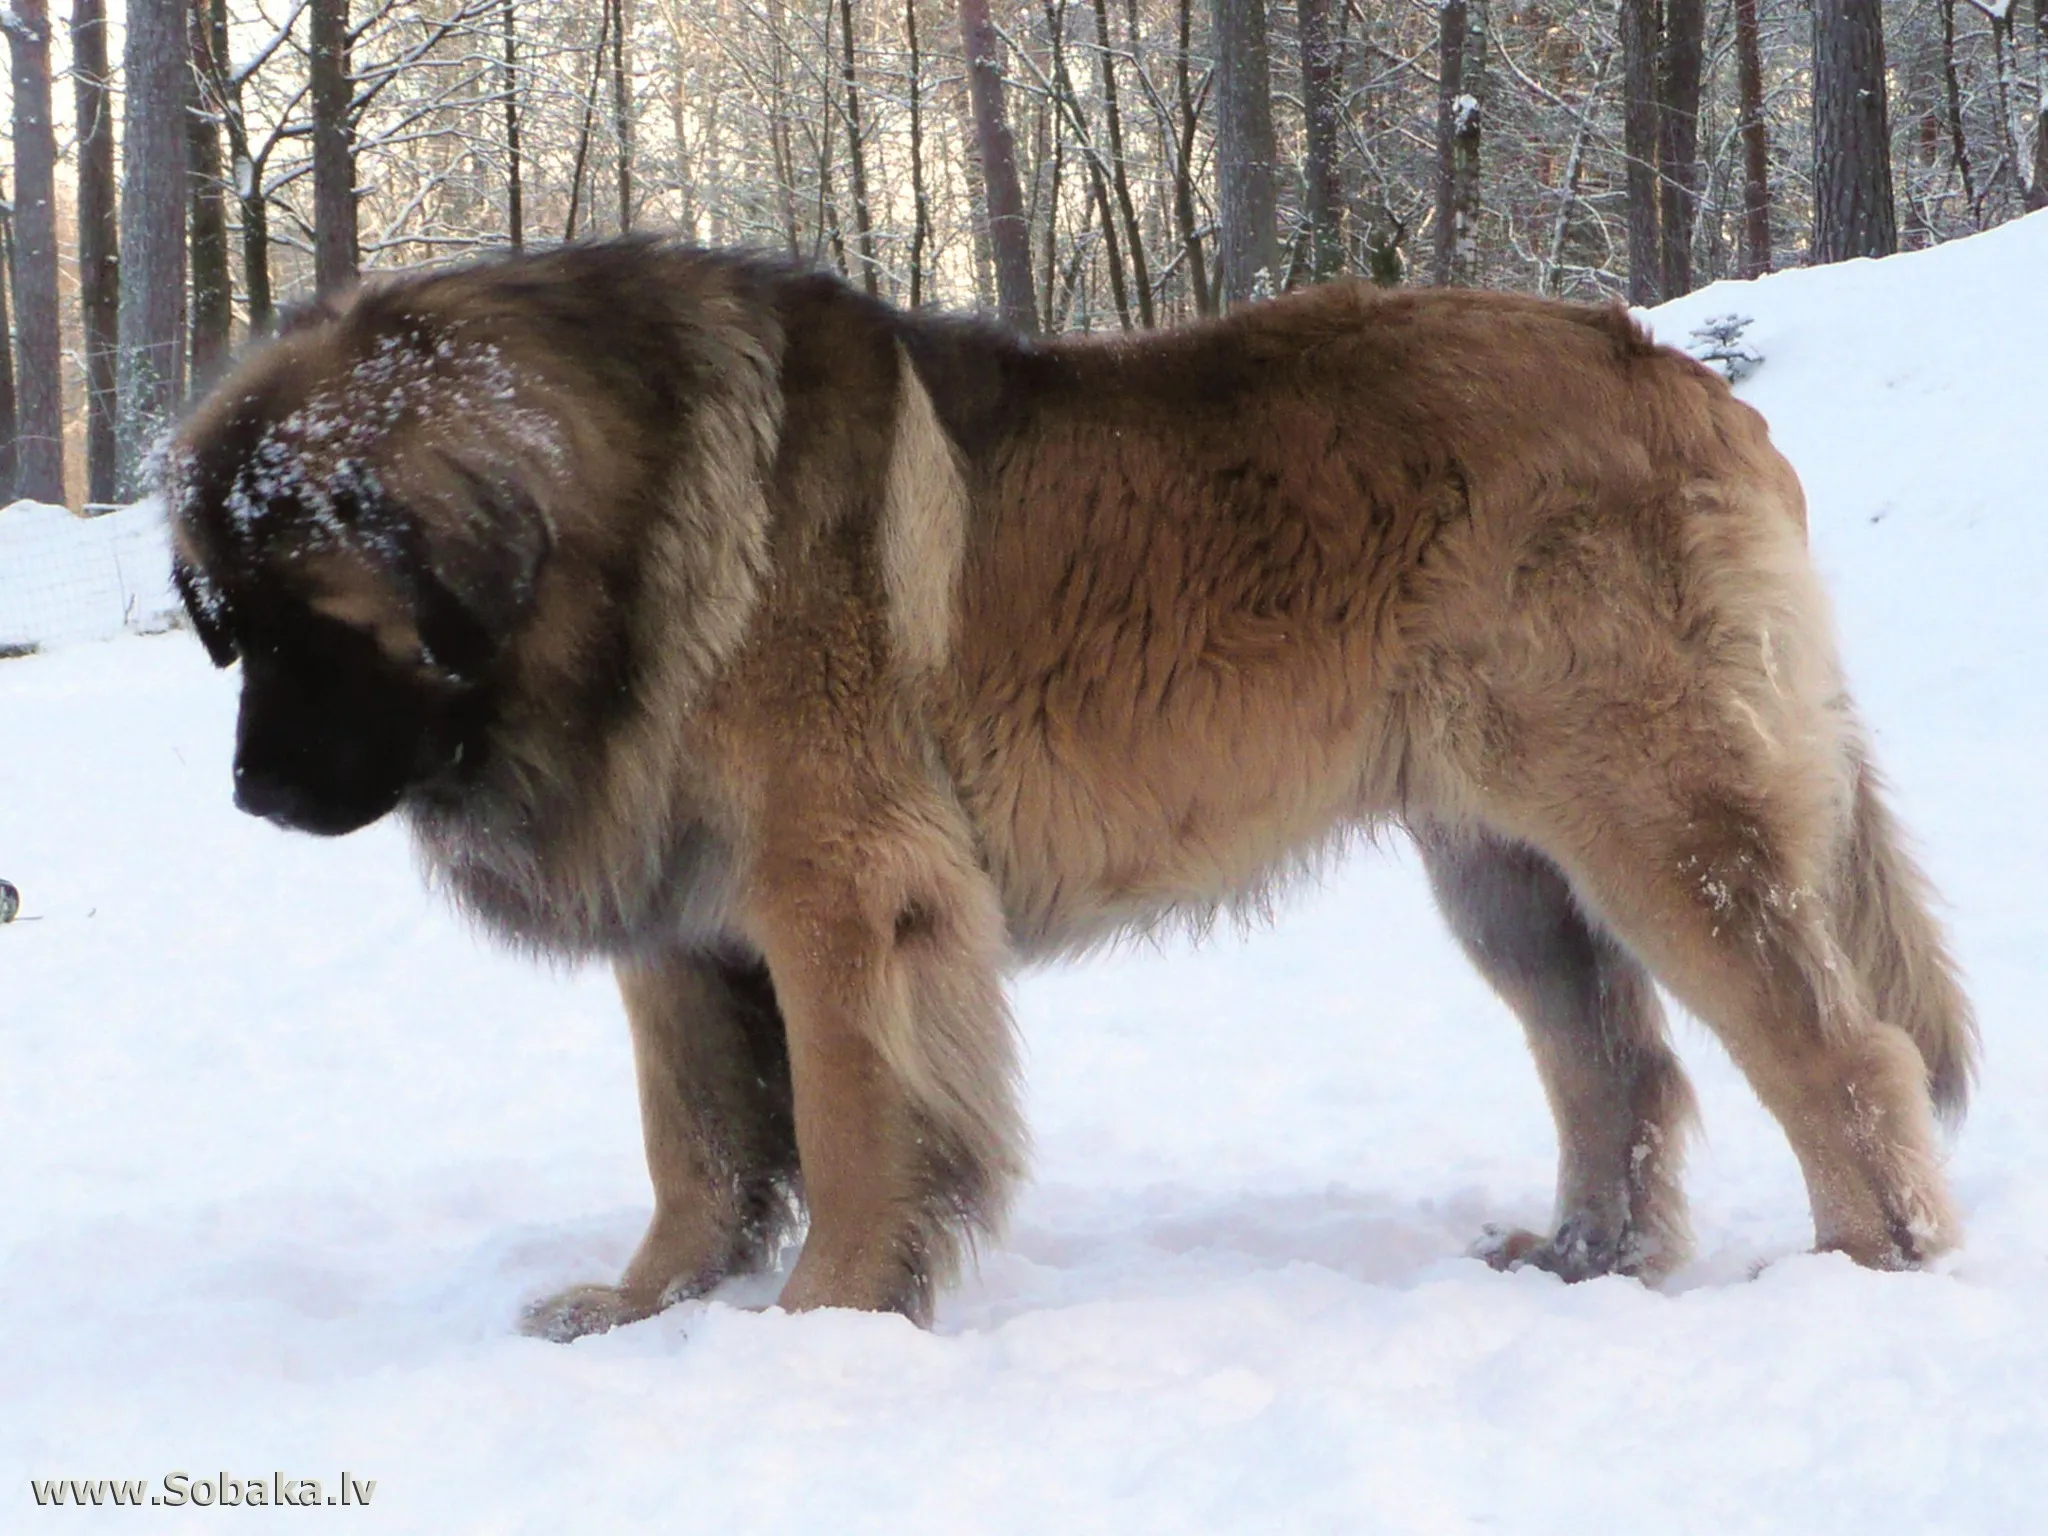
(885, 944)
(715, 1113)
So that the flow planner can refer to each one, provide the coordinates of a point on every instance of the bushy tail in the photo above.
(1883, 901)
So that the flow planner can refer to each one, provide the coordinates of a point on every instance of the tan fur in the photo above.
(923, 532)
(893, 649)
(345, 589)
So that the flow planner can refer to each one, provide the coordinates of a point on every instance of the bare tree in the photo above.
(250, 148)
(1574, 172)
(1189, 101)
(1642, 43)
(588, 125)
(784, 158)
(335, 252)
(856, 153)
(40, 422)
(622, 112)
(156, 63)
(1852, 162)
(1959, 144)
(2038, 184)
(10, 456)
(99, 264)
(515, 200)
(1248, 238)
(1067, 104)
(1678, 112)
(212, 287)
(1756, 145)
(1322, 70)
(921, 208)
(1461, 107)
(1134, 237)
(1008, 231)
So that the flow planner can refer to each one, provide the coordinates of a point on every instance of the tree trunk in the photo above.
(10, 458)
(1958, 141)
(255, 246)
(1756, 145)
(2006, 53)
(1008, 233)
(622, 115)
(921, 220)
(1574, 169)
(830, 229)
(1134, 236)
(856, 154)
(1322, 73)
(1852, 169)
(1184, 172)
(515, 187)
(335, 255)
(156, 64)
(778, 129)
(583, 132)
(1049, 264)
(1068, 103)
(2037, 189)
(1642, 42)
(1450, 53)
(1471, 122)
(1248, 242)
(212, 288)
(1678, 123)
(1460, 120)
(99, 266)
(224, 89)
(39, 369)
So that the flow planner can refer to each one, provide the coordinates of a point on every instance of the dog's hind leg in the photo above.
(713, 1069)
(1621, 1101)
(1720, 877)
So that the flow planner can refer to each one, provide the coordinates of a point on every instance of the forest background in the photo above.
(180, 171)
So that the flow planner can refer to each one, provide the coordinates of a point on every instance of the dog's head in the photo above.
(349, 523)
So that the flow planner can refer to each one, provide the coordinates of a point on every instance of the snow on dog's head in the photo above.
(352, 518)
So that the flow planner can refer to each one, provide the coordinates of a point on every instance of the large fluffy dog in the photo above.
(813, 662)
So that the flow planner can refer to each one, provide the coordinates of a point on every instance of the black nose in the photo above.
(264, 794)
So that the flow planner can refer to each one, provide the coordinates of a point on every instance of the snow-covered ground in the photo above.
(283, 1147)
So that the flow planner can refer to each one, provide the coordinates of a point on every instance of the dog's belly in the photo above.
(1090, 834)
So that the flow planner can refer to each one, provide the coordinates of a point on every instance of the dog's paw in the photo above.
(1504, 1248)
(583, 1309)
(1572, 1253)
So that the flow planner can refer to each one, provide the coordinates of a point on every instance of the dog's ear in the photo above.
(207, 610)
(496, 573)
(453, 640)
(468, 578)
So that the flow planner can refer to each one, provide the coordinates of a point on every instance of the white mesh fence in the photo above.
(66, 578)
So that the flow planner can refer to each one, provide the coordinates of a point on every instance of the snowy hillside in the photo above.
(283, 1147)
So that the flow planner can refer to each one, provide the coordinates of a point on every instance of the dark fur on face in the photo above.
(333, 733)
(335, 730)
(812, 662)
